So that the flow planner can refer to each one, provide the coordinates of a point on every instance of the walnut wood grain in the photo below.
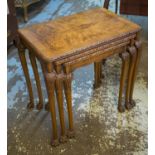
(78, 32)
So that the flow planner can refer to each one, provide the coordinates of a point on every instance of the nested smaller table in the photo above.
(68, 43)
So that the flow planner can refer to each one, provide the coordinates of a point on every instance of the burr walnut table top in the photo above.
(79, 32)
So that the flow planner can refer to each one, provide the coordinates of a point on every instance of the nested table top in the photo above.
(78, 32)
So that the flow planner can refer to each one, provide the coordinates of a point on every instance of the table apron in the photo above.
(81, 54)
(97, 56)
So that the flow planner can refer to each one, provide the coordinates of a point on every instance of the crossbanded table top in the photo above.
(67, 35)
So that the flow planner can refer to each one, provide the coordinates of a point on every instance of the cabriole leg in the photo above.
(36, 74)
(50, 80)
(59, 94)
(133, 54)
(68, 94)
(138, 45)
(21, 52)
(125, 61)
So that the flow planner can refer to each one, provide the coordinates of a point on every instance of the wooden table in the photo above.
(68, 43)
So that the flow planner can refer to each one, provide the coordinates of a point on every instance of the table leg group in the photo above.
(130, 61)
(58, 78)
